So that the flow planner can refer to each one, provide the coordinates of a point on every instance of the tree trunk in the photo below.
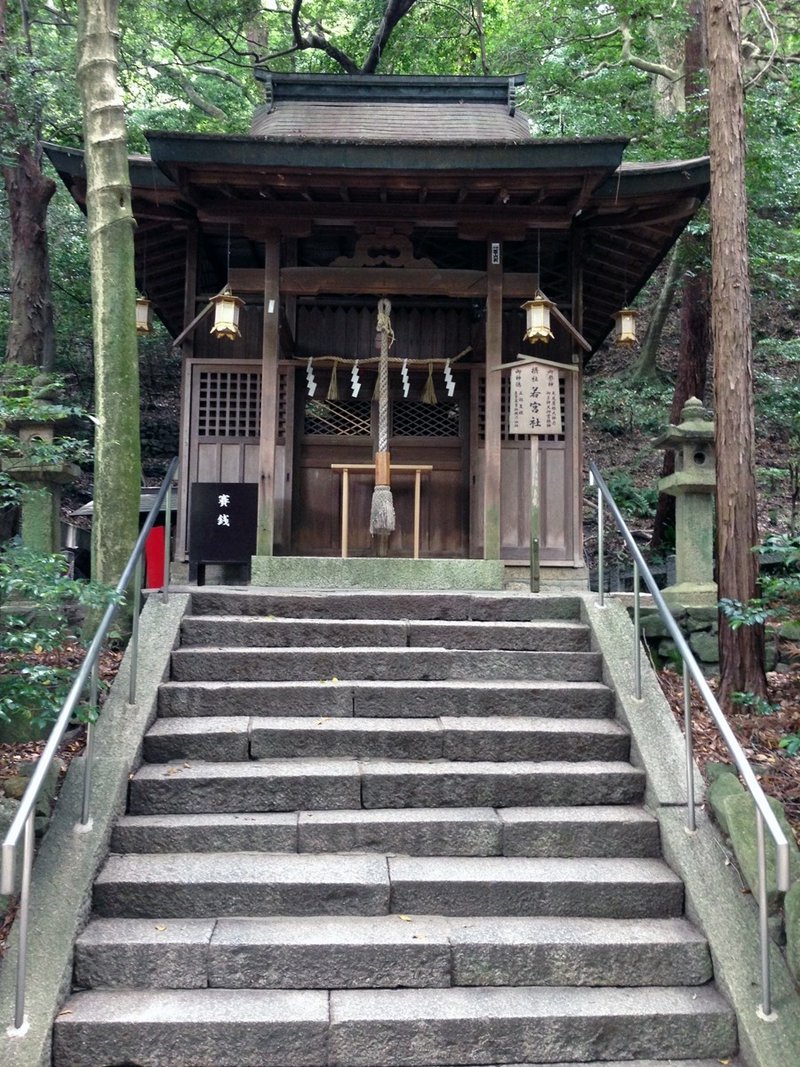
(645, 368)
(31, 337)
(695, 339)
(691, 380)
(741, 651)
(117, 463)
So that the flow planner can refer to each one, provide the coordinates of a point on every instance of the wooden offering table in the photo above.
(418, 468)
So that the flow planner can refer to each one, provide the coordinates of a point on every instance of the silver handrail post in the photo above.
(637, 635)
(134, 642)
(765, 1010)
(88, 755)
(691, 818)
(601, 578)
(24, 908)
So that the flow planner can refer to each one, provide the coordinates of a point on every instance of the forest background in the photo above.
(628, 68)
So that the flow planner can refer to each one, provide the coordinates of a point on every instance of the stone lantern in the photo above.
(41, 486)
(693, 485)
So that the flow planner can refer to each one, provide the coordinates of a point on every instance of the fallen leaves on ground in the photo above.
(759, 736)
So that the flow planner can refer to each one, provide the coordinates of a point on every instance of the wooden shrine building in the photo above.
(430, 193)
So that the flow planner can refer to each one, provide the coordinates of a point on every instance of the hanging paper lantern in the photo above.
(226, 315)
(144, 315)
(625, 327)
(537, 315)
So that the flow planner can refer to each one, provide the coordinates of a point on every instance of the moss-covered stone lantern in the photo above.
(40, 478)
(693, 485)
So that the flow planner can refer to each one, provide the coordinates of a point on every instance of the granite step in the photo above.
(379, 664)
(386, 699)
(256, 632)
(205, 884)
(392, 1027)
(500, 738)
(293, 785)
(193, 1028)
(409, 1027)
(357, 952)
(597, 830)
(363, 604)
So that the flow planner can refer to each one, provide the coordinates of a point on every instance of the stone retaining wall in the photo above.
(734, 812)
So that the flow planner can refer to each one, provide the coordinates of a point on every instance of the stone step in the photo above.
(406, 1027)
(500, 738)
(386, 699)
(192, 1028)
(357, 605)
(293, 785)
(254, 632)
(391, 1027)
(380, 664)
(589, 831)
(205, 884)
(357, 952)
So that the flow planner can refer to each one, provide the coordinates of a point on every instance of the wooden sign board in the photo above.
(534, 400)
(222, 523)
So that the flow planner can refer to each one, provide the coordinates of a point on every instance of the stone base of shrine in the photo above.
(323, 572)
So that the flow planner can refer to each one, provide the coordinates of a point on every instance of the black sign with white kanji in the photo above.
(222, 522)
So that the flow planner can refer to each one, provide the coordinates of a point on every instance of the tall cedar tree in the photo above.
(695, 340)
(741, 651)
(110, 225)
(31, 336)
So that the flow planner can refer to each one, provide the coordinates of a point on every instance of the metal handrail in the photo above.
(23, 823)
(691, 670)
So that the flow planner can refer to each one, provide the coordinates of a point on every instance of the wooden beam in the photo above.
(184, 439)
(533, 216)
(492, 442)
(270, 354)
(411, 281)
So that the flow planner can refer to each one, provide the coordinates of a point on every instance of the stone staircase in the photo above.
(384, 830)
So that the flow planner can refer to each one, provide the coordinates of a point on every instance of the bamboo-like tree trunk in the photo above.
(741, 651)
(117, 463)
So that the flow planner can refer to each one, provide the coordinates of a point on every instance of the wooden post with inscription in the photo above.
(534, 409)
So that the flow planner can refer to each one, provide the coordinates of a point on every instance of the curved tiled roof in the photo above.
(395, 122)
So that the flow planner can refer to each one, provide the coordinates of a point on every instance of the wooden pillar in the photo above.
(187, 349)
(492, 439)
(269, 395)
(574, 410)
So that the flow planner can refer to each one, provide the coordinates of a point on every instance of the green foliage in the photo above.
(35, 597)
(755, 703)
(619, 407)
(780, 588)
(630, 498)
(790, 743)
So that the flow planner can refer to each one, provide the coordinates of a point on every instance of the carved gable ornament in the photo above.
(383, 248)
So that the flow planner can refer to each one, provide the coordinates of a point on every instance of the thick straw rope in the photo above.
(382, 517)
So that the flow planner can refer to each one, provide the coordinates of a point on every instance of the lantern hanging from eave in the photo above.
(226, 315)
(144, 315)
(537, 319)
(625, 327)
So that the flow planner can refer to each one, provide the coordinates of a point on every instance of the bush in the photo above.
(36, 597)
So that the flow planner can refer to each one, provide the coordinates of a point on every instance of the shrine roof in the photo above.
(390, 110)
